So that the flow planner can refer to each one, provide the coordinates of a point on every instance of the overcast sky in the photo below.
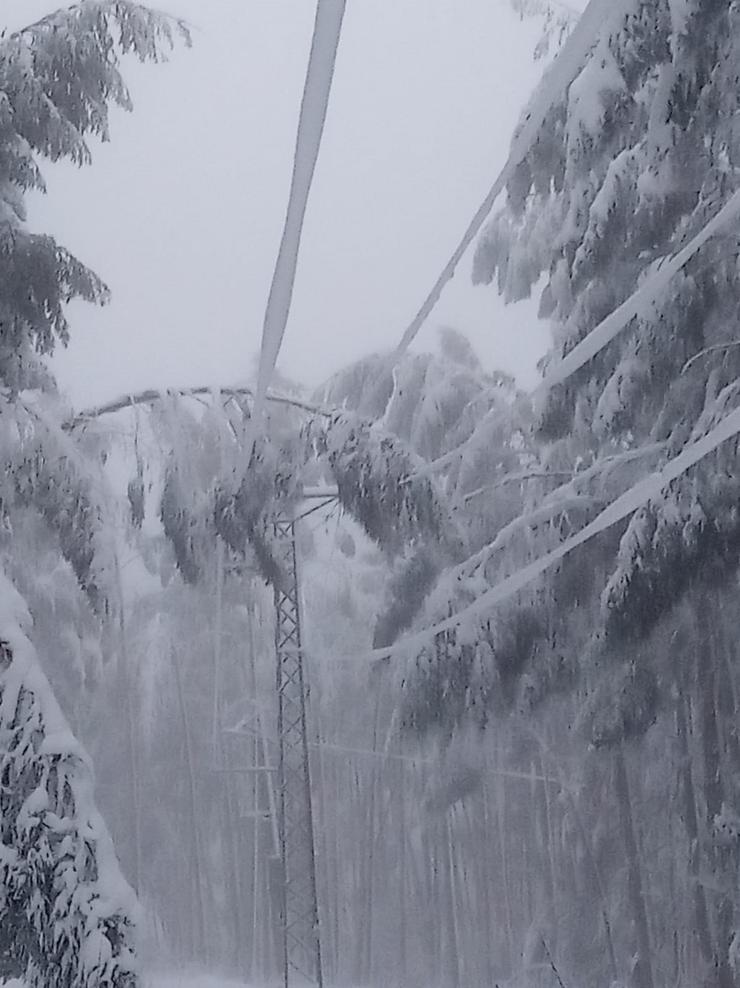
(182, 212)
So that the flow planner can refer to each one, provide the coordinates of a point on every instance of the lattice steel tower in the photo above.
(300, 916)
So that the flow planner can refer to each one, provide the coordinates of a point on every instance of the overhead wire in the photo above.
(619, 509)
(598, 15)
(311, 121)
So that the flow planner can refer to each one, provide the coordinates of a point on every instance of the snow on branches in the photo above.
(374, 472)
(48, 472)
(638, 155)
(58, 78)
(66, 913)
(47, 115)
(558, 19)
(626, 202)
(469, 621)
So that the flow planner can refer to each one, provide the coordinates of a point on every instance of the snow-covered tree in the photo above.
(58, 78)
(65, 912)
(626, 204)
(641, 153)
(558, 18)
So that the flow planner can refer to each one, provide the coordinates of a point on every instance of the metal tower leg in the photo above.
(300, 920)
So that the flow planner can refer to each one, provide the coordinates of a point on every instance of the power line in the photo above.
(394, 756)
(564, 69)
(641, 300)
(624, 506)
(314, 104)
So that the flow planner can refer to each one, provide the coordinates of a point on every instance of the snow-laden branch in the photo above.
(517, 478)
(327, 28)
(541, 8)
(453, 455)
(152, 396)
(641, 301)
(567, 497)
(67, 914)
(596, 19)
(707, 351)
(621, 508)
(575, 477)
(57, 19)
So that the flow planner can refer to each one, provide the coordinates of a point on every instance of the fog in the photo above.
(430, 681)
(181, 213)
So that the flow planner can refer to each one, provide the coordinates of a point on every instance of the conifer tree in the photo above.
(640, 154)
(66, 914)
(632, 175)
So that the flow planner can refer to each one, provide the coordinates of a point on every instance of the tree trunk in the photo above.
(127, 682)
(367, 924)
(127, 687)
(200, 913)
(402, 959)
(452, 939)
(504, 865)
(720, 855)
(583, 833)
(643, 973)
(691, 823)
(487, 927)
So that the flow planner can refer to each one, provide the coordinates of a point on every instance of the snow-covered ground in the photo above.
(172, 980)
(190, 980)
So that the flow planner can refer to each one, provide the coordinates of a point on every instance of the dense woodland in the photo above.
(519, 610)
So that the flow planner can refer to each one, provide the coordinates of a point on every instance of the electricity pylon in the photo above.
(300, 913)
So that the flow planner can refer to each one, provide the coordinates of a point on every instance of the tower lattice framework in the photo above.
(300, 917)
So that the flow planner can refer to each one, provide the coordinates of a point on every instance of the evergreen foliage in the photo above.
(641, 153)
(558, 18)
(606, 688)
(67, 914)
(374, 472)
(629, 634)
(58, 78)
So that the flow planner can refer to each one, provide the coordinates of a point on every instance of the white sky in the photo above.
(182, 212)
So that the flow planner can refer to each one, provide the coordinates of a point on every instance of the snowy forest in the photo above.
(421, 677)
